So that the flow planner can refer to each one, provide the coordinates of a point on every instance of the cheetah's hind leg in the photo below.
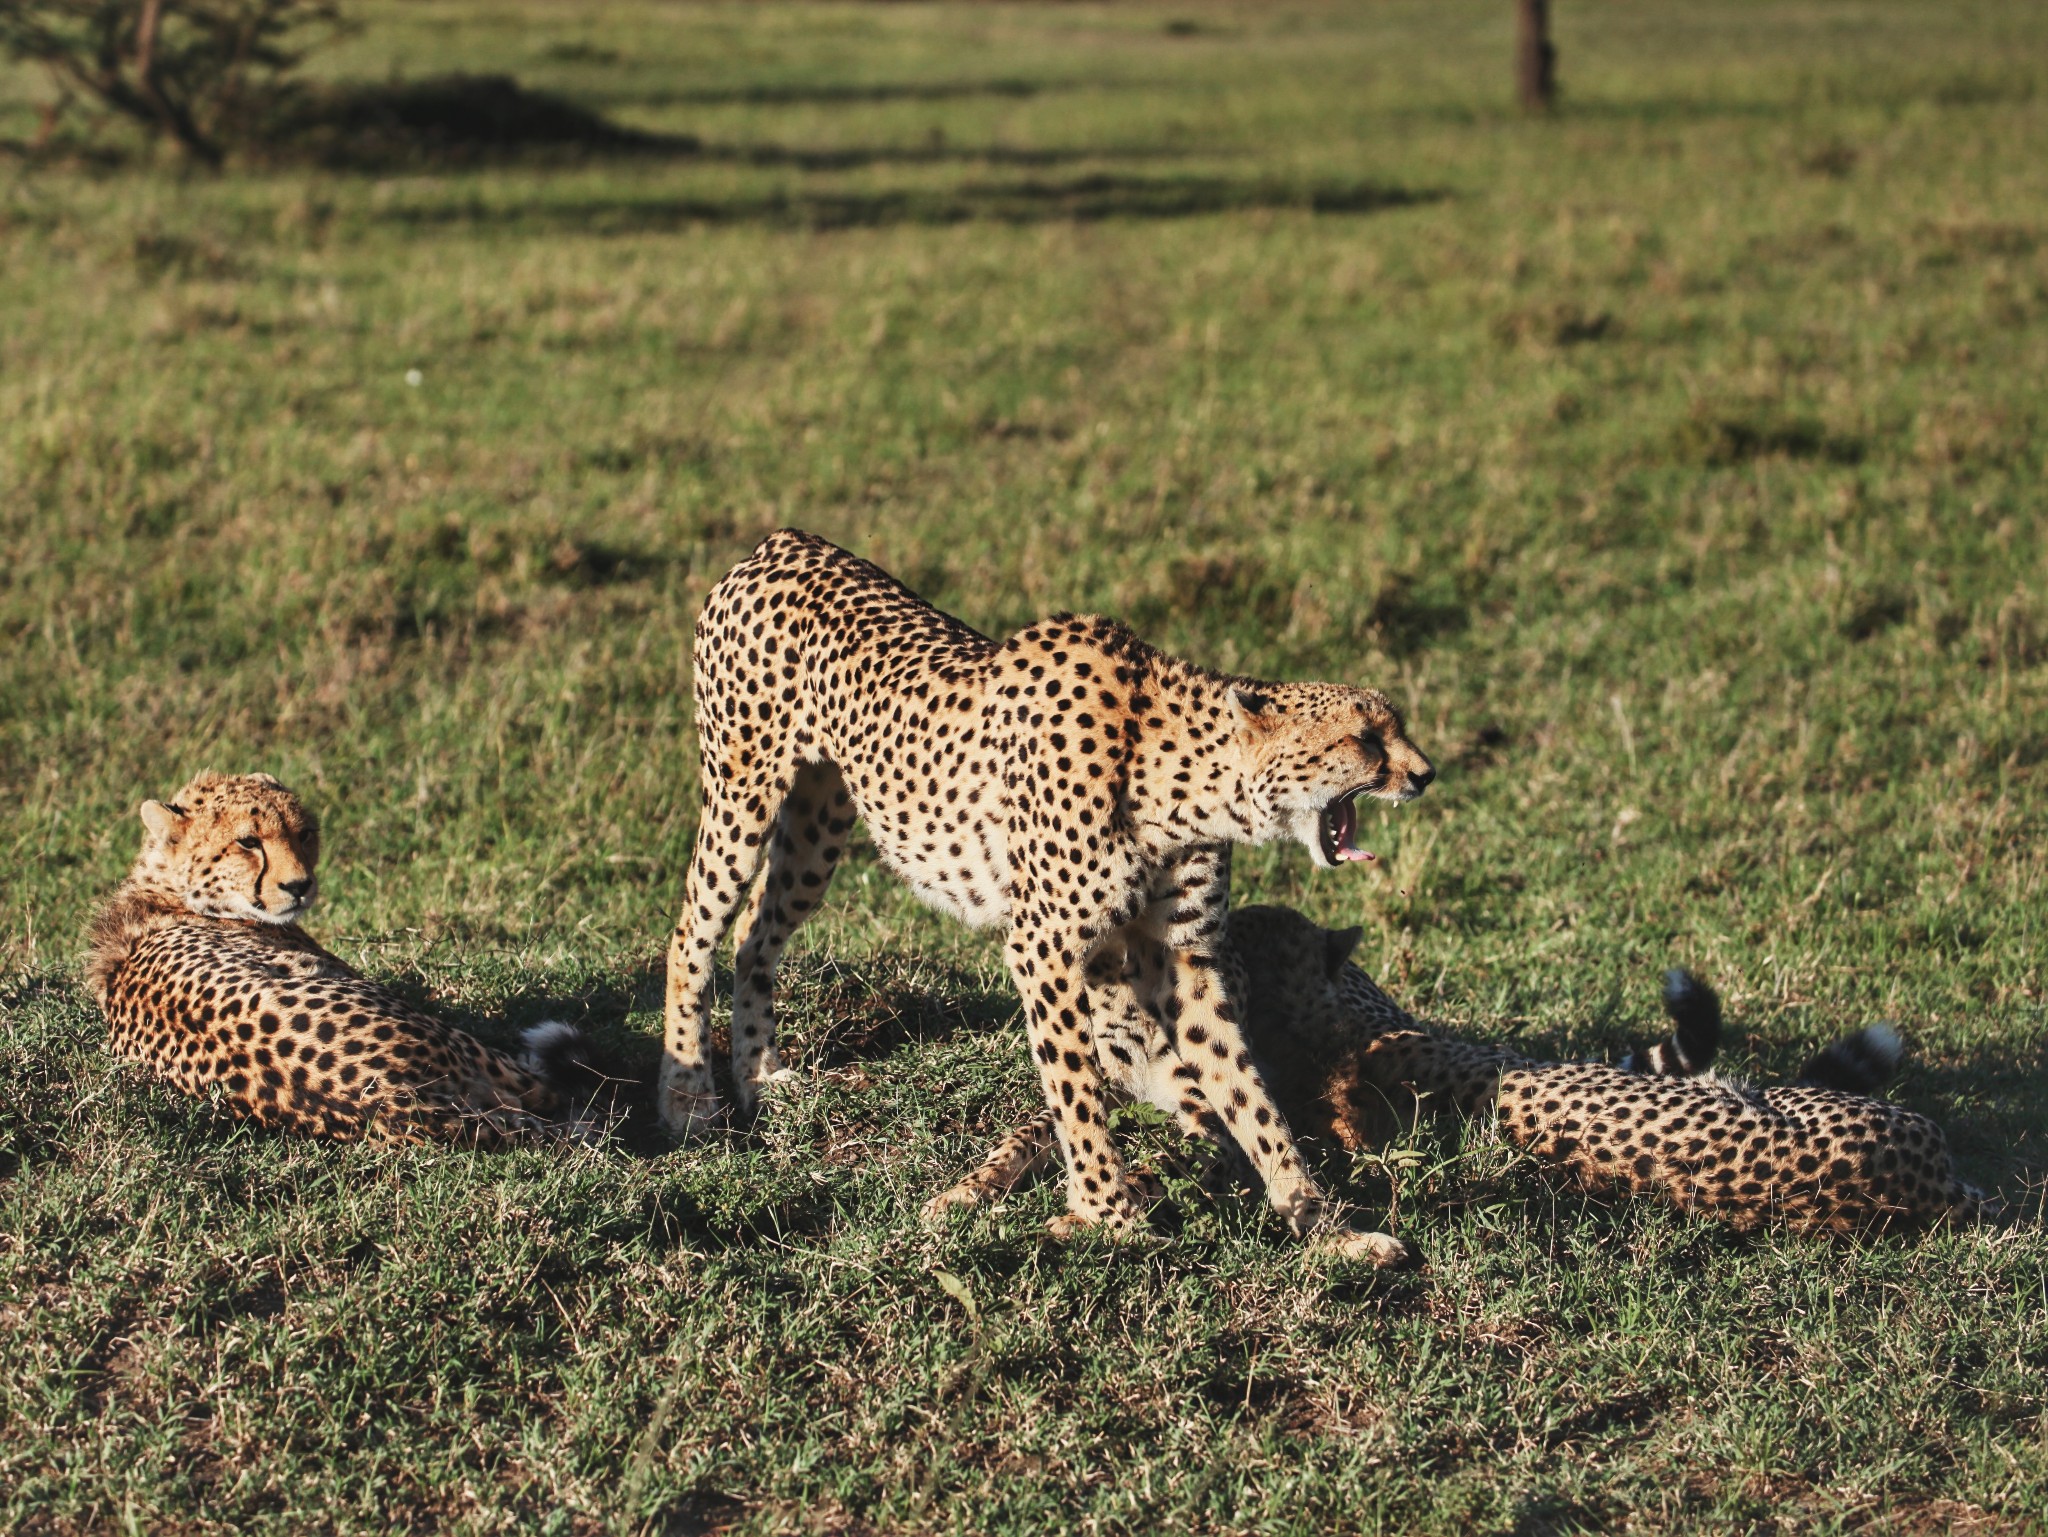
(735, 825)
(809, 837)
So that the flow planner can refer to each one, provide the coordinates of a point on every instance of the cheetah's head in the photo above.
(1296, 969)
(1315, 748)
(239, 846)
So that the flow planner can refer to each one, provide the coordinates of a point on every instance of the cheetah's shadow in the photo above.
(837, 1013)
(1988, 1100)
(831, 1014)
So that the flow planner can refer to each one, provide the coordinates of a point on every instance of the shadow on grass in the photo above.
(866, 1012)
(935, 151)
(457, 120)
(831, 1014)
(833, 93)
(460, 119)
(1988, 1101)
(446, 119)
(1022, 201)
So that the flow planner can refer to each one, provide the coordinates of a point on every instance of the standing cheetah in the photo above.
(203, 972)
(1070, 783)
(1349, 1066)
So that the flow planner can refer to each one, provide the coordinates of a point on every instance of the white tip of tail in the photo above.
(1884, 1045)
(541, 1045)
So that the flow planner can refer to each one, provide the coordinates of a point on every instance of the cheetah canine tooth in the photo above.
(1070, 784)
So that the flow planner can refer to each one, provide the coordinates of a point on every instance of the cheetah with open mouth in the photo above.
(1071, 784)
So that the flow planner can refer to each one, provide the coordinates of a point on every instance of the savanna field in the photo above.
(1674, 462)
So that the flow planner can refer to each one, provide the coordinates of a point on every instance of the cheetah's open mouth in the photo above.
(1340, 825)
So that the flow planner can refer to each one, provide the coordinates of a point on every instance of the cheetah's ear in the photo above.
(161, 820)
(1253, 708)
(1337, 947)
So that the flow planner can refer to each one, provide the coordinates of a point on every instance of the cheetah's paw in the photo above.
(1125, 1219)
(1380, 1250)
(964, 1196)
(752, 1100)
(685, 1114)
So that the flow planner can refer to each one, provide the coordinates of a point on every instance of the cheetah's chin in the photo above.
(256, 912)
(1339, 827)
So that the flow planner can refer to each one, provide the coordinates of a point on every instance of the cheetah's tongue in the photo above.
(1347, 825)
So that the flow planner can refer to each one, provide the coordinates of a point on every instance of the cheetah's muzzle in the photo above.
(1340, 825)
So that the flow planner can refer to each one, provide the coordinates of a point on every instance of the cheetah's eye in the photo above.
(250, 842)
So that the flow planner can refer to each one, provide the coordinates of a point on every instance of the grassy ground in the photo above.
(1676, 463)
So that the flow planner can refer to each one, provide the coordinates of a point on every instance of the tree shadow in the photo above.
(457, 120)
(935, 151)
(463, 119)
(835, 93)
(446, 119)
(1101, 195)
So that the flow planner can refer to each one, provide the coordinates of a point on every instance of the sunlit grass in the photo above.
(1675, 464)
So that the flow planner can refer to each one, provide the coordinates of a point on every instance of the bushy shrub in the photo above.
(200, 71)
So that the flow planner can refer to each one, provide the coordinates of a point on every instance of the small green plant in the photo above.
(199, 71)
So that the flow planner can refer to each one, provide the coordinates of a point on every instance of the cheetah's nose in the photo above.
(296, 889)
(1422, 777)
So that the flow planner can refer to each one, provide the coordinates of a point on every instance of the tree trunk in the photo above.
(1535, 59)
(176, 120)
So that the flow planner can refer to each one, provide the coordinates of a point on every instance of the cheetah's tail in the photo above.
(1695, 1036)
(1857, 1064)
(551, 1048)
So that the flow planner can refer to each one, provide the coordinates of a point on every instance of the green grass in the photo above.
(1675, 463)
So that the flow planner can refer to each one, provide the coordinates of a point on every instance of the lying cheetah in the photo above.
(203, 972)
(1070, 783)
(1348, 1064)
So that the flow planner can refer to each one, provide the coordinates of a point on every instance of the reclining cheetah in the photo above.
(203, 972)
(1348, 1064)
(1070, 783)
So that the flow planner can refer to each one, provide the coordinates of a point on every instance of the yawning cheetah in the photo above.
(1071, 784)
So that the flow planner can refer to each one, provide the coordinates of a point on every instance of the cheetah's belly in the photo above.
(932, 804)
(962, 871)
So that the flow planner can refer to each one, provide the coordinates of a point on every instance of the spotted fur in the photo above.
(203, 973)
(1348, 1064)
(1070, 784)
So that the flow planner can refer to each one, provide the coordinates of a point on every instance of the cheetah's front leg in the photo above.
(1013, 1161)
(1194, 993)
(1048, 963)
